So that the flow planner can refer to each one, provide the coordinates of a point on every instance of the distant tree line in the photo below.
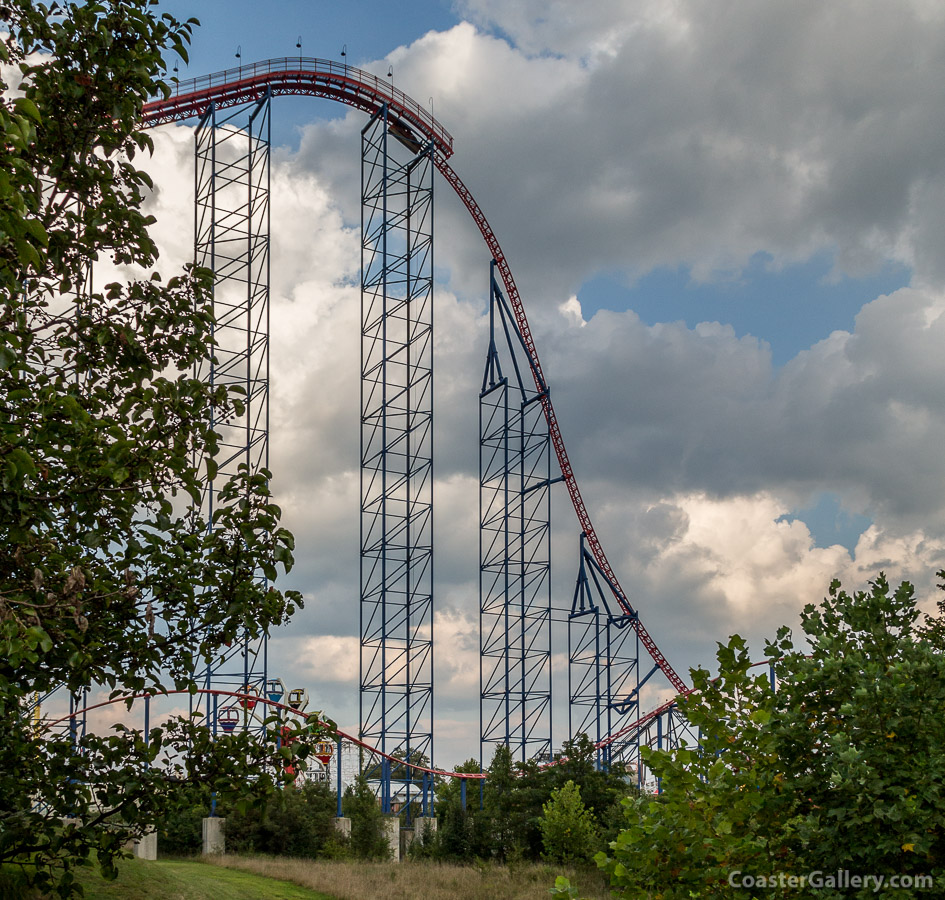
(564, 813)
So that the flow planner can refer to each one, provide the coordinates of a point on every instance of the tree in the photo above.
(602, 789)
(841, 767)
(295, 821)
(463, 831)
(515, 794)
(568, 832)
(502, 804)
(110, 574)
(368, 835)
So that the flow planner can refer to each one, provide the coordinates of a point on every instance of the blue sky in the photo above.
(790, 308)
(368, 30)
(777, 168)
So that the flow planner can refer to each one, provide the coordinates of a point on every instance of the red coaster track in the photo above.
(354, 87)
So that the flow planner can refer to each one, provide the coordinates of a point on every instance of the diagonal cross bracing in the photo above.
(232, 217)
(515, 549)
(396, 705)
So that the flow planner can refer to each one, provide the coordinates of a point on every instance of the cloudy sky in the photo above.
(726, 221)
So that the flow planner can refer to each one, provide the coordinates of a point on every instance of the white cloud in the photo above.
(699, 135)
(626, 136)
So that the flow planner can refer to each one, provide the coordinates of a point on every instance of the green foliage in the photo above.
(293, 822)
(502, 818)
(563, 890)
(568, 832)
(109, 574)
(298, 822)
(368, 838)
(505, 805)
(181, 831)
(842, 767)
(515, 795)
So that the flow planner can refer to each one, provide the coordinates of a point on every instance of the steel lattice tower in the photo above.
(515, 546)
(603, 661)
(396, 701)
(396, 508)
(232, 238)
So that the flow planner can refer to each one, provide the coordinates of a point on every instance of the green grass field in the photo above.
(185, 880)
(284, 878)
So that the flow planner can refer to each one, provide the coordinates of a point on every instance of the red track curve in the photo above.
(346, 84)
(255, 698)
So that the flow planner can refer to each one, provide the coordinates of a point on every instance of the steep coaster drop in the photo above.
(399, 708)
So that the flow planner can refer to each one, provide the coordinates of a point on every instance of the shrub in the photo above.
(568, 832)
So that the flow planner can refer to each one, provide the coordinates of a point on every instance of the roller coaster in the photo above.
(611, 654)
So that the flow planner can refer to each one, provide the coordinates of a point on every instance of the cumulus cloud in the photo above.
(637, 134)
(627, 136)
(681, 409)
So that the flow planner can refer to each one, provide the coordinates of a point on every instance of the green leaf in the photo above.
(37, 231)
(28, 108)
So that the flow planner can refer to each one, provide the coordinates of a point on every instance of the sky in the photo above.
(726, 222)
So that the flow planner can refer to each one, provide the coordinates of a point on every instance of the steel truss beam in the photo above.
(514, 546)
(396, 700)
(603, 661)
(232, 226)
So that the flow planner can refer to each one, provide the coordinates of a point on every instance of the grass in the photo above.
(419, 880)
(283, 878)
(189, 880)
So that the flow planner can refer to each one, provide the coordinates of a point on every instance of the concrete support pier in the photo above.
(392, 830)
(424, 824)
(146, 846)
(342, 826)
(214, 841)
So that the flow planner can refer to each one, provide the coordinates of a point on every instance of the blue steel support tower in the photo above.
(232, 217)
(396, 700)
(515, 545)
(603, 661)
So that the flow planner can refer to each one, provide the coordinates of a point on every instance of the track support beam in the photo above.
(396, 699)
(232, 228)
(515, 547)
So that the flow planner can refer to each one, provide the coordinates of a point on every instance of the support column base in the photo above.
(146, 846)
(214, 839)
(392, 830)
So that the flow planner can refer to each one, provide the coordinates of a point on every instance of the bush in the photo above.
(568, 832)
(296, 822)
(181, 832)
(368, 837)
(840, 767)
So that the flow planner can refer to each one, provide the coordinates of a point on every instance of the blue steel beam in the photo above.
(396, 659)
(232, 228)
(515, 546)
(603, 661)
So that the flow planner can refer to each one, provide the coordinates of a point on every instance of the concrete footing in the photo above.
(146, 846)
(422, 825)
(392, 830)
(213, 837)
(343, 826)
